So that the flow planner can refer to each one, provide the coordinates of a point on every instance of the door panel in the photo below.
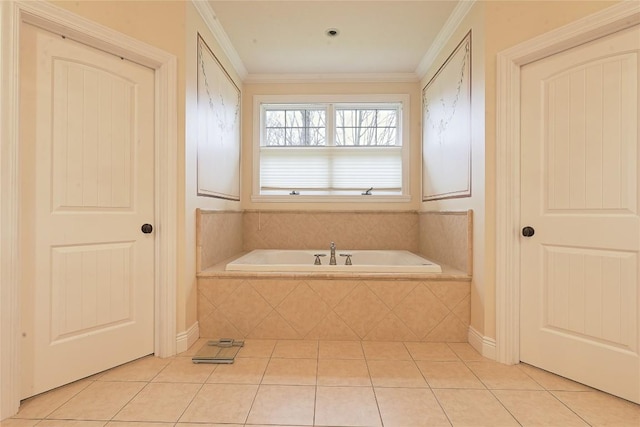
(579, 190)
(87, 151)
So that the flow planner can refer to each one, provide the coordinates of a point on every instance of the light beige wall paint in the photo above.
(498, 25)
(250, 90)
(474, 21)
(194, 25)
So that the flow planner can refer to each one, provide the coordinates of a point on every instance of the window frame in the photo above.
(355, 100)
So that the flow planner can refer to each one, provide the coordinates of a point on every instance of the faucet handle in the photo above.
(348, 260)
(317, 261)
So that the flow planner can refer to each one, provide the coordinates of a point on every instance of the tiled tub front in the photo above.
(360, 308)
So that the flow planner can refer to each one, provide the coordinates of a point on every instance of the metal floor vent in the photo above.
(221, 351)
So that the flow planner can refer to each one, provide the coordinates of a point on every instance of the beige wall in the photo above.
(250, 90)
(474, 21)
(187, 304)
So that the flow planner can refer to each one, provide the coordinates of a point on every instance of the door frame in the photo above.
(13, 14)
(615, 18)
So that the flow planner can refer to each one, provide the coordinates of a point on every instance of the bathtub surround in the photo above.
(303, 307)
(315, 229)
(218, 236)
(446, 237)
(367, 307)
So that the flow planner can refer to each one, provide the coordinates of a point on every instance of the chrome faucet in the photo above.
(332, 260)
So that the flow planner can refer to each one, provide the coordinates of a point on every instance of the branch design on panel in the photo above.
(446, 127)
(218, 128)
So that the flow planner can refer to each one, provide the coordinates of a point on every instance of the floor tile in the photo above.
(277, 404)
(537, 408)
(144, 369)
(139, 424)
(404, 407)
(293, 349)
(257, 348)
(220, 403)
(99, 401)
(448, 375)
(440, 352)
(241, 371)
(551, 381)
(466, 352)
(159, 402)
(474, 408)
(340, 350)
(183, 370)
(43, 404)
(503, 377)
(13, 422)
(385, 351)
(208, 425)
(291, 372)
(343, 373)
(398, 373)
(346, 406)
(70, 423)
(599, 409)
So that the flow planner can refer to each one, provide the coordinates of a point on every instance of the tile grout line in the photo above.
(429, 385)
(255, 396)
(375, 395)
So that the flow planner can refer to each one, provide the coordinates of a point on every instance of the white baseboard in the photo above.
(185, 339)
(484, 345)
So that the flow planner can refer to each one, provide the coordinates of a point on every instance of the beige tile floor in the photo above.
(303, 383)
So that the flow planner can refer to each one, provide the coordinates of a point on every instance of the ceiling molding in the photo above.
(333, 78)
(455, 19)
(212, 22)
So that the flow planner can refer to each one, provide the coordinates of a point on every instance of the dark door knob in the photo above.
(528, 231)
(146, 228)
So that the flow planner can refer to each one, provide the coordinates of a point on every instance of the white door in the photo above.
(579, 193)
(87, 180)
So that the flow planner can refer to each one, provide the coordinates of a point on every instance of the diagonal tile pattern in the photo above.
(319, 309)
(327, 383)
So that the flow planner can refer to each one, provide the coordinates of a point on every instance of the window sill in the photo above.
(331, 199)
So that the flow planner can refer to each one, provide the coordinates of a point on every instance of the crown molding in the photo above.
(446, 32)
(333, 78)
(211, 20)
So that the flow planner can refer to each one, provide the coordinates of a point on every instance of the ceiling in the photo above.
(388, 38)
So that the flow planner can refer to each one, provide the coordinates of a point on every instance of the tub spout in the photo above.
(332, 260)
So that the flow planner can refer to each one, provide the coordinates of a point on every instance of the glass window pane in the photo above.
(345, 136)
(274, 118)
(317, 118)
(365, 136)
(317, 136)
(387, 118)
(295, 137)
(344, 118)
(295, 118)
(274, 137)
(366, 118)
(386, 136)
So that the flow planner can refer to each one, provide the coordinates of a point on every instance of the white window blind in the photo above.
(331, 170)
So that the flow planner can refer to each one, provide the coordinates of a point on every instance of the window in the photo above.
(343, 148)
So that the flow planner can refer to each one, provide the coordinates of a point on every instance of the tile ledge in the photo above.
(218, 270)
